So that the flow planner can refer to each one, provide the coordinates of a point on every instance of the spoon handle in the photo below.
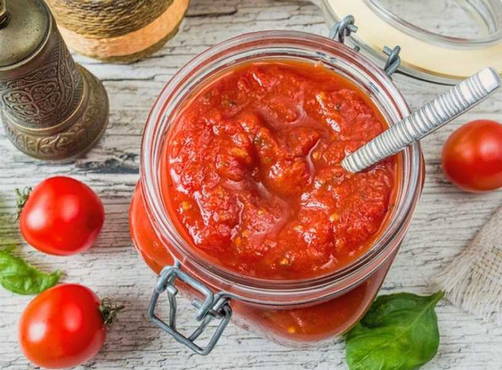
(425, 120)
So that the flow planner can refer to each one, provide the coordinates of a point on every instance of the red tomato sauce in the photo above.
(293, 324)
(252, 173)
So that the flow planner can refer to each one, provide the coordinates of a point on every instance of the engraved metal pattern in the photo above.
(51, 108)
(4, 16)
(425, 120)
(46, 94)
(83, 130)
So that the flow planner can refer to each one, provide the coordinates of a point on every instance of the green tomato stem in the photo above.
(109, 311)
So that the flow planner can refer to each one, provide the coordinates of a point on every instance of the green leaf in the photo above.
(21, 278)
(399, 332)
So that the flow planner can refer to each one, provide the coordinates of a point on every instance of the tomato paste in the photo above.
(252, 174)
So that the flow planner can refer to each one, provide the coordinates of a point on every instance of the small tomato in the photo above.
(472, 156)
(62, 216)
(64, 326)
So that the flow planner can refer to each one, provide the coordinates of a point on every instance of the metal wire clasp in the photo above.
(393, 60)
(213, 306)
(343, 28)
(346, 26)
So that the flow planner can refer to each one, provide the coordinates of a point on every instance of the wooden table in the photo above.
(445, 221)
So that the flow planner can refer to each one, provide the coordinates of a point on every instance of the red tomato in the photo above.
(62, 216)
(472, 156)
(62, 327)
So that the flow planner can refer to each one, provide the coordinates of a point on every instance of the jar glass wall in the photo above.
(296, 311)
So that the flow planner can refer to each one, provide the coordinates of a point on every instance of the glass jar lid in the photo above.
(442, 41)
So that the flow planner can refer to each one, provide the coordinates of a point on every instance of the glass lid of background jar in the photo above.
(442, 41)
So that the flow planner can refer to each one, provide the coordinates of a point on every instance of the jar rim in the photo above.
(421, 49)
(493, 10)
(250, 45)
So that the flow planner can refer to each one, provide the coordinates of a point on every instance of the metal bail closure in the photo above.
(346, 26)
(343, 28)
(213, 306)
(393, 60)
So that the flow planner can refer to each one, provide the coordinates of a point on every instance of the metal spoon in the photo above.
(425, 120)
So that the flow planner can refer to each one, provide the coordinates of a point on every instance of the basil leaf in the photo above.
(21, 278)
(399, 331)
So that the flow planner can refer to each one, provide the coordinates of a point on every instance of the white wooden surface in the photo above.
(445, 220)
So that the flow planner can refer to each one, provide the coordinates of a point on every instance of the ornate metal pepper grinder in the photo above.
(51, 108)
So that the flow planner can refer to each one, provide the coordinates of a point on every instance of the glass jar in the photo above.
(292, 312)
(433, 35)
